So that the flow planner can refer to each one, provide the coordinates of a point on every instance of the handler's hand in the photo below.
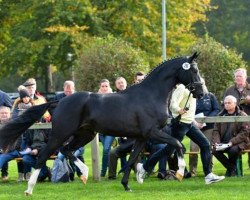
(34, 152)
(182, 111)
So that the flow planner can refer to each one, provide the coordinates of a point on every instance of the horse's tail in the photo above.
(11, 131)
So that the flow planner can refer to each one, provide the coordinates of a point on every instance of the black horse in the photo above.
(139, 111)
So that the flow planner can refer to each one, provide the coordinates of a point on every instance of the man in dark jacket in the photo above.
(68, 89)
(36, 140)
(230, 138)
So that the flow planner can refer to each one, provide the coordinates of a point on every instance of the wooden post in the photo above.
(95, 158)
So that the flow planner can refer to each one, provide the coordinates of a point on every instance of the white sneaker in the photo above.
(212, 178)
(140, 173)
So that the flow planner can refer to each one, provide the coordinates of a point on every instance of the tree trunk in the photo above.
(49, 84)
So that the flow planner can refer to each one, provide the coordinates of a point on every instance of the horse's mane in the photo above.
(155, 69)
(162, 64)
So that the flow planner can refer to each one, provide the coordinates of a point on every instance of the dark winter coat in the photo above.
(209, 106)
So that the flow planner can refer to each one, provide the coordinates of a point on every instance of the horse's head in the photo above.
(189, 76)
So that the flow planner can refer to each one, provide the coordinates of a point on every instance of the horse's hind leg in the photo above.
(81, 138)
(137, 148)
(32, 182)
(53, 144)
(164, 137)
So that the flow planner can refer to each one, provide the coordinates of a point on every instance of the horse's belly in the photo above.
(118, 130)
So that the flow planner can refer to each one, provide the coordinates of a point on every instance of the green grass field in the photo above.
(193, 188)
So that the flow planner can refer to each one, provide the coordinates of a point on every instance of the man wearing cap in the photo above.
(30, 85)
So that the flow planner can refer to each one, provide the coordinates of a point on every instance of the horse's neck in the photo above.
(165, 89)
(161, 85)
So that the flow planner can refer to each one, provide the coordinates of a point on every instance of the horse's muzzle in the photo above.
(196, 89)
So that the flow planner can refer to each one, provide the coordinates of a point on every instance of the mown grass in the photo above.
(194, 188)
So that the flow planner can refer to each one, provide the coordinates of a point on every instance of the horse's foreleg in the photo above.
(32, 182)
(137, 148)
(81, 166)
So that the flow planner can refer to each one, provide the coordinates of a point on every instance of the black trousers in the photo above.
(229, 161)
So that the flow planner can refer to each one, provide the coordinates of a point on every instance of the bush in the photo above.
(108, 58)
(217, 64)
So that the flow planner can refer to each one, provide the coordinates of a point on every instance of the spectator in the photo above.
(120, 84)
(30, 85)
(5, 99)
(69, 89)
(12, 152)
(4, 117)
(125, 146)
(139, 76)
(241, 91)
(21, 105)
(106, 140)
(207, 106)
(230, 138)
(24, 102)
(183, 124)
(153, 147)
(36, 140)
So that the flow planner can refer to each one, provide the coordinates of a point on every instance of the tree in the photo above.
(139, 22)
(229, 24)
(38, 35)
(108, 58)
(42, 35)
(217, 63)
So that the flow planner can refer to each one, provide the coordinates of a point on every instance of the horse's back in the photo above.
(70, 108)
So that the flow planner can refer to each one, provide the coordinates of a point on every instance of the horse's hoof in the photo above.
(84, 179)
(128, 190)
(179, 176)
(126, 187)
(26, 193)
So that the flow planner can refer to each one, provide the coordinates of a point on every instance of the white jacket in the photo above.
(178, 101)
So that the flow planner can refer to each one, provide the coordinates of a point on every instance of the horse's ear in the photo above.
(193, 57)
